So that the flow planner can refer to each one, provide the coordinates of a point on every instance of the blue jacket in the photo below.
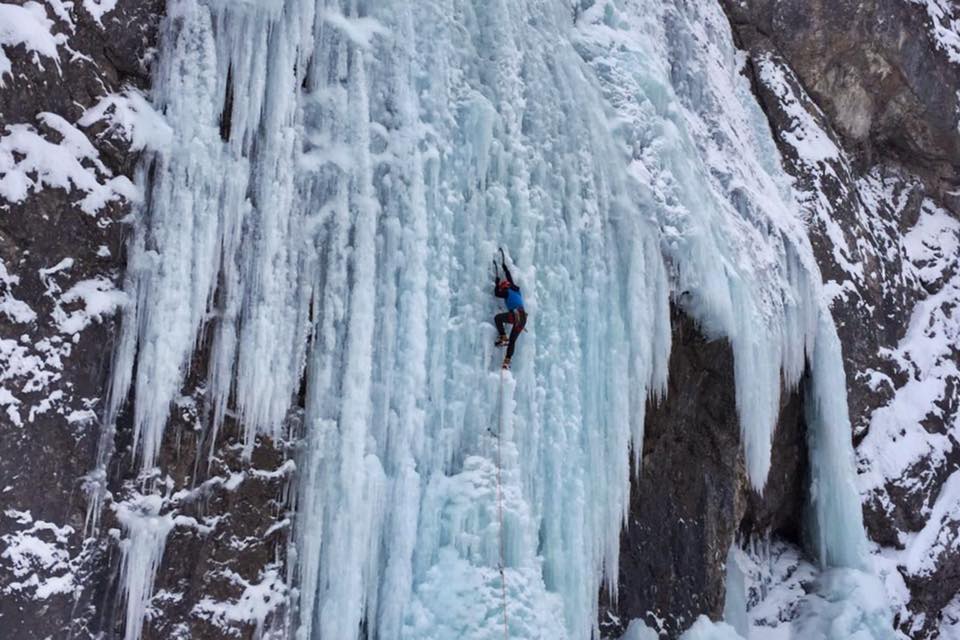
(514, 298)
(510, 293)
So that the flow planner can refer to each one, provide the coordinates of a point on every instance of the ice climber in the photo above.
(515, 315)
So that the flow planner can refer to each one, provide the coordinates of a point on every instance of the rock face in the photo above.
(71, 105)
(692, 497)
(862, 99)
(61, 246)
(884, 72)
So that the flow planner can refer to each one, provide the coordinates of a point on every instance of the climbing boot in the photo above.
(502, 341)
(506, 363)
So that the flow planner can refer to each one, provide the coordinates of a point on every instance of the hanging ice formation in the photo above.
(332, 220)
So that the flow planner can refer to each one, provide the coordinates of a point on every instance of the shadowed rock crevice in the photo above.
(692, 498)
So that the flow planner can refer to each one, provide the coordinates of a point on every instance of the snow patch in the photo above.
(845, 604)
(38, 557)
(257, 601)
(706, 629)
(944, 26)
(897, 439)
(27, 25)
(100, 298)
(812, 144)
(133, 118)
(99, 8)
(16, 310)
(30, 162)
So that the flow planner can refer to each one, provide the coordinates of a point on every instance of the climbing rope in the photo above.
(503, 579)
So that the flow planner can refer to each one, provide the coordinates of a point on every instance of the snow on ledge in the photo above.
(132, 116)
(37, 556)
(99, 8)
(100, 298)
(29, 162)
(28, 26)
(254, 605)
(16, 310)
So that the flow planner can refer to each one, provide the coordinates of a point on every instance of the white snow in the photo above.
(944, 26)
(30, 366)
(27, 25)
(134, 117)
(72, 163)
(100, 298)
(254, 604)
(936, 537)
(897, 439)
(846, 605)
(779, 595)
(811, 142)
(638, 630)
(706, 629)
(21, 371)
(950, 627)
(99, 8)
(16, 310)
(37, 556)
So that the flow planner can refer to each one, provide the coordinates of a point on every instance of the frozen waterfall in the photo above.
(339, 177)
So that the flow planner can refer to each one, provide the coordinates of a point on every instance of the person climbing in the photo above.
(515, 315)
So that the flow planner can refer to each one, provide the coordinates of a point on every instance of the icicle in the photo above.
(836, 522)
(142, 549)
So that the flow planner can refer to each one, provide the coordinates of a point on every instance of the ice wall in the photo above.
(339, 177)
(732, 231)
(487, 131)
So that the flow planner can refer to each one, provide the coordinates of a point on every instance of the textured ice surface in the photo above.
(336, 182)
(774, 593)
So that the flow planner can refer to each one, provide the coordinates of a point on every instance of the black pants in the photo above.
(518, 318)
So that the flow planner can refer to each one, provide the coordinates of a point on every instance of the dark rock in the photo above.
(231, 519)
(58, 378)
(878, 71)
(871, 79)
(692, 497)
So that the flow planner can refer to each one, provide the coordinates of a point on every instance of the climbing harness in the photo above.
(503, 579)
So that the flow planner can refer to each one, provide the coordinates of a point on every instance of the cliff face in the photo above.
(66, 187)
(883, 72)
(76, 123)
(862, 99)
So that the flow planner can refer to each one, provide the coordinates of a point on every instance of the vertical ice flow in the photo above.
(142, 550)
(341, 175)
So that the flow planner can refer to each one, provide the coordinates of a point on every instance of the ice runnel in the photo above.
(340, 234)
(142, 551)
